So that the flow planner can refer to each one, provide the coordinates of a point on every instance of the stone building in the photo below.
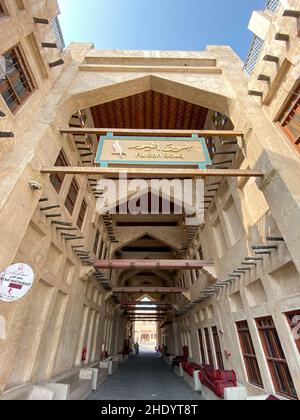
(238, 309)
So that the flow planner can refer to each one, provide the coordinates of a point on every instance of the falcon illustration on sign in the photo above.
(118, 149)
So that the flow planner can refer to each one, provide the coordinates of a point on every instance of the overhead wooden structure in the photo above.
(165, 290)
(152, 172)
(153, 264)
(139, 312)
(224, 134)
(150, 110)
(146, 303)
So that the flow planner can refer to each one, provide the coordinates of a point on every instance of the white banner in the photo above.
(15, 282)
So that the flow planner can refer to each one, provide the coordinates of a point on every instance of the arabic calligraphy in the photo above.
(155, 146)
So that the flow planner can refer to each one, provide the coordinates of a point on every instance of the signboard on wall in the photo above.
(127, 150)
(15, 282)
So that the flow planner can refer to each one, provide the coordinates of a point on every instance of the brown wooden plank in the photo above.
(153, 172)
(149, 290)
(153, 264)
(136, 132)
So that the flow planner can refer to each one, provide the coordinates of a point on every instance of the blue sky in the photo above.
(159, 24)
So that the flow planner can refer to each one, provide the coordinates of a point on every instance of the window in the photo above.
(218, 348)
(17, 86)
(96, 243)
(276, 358)
(58, 179)
(201, 344)
(294, 323)
(82, 214)
(290, 121)
(208, 347)
(72, 196)
(249, 355)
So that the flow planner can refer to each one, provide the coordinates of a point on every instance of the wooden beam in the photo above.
(142, 132)
(153, 264)
(149, 290)
(156, 319)
(152, 172)
(146, 319)
(141, 303)
(56, 63)
(147, 313)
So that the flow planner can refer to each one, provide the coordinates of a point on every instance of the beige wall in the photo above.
(66, 309)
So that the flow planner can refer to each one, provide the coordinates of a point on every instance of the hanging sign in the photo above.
(15, 282)
(126, 150)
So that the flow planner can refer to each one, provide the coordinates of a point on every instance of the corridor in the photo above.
(145, 378)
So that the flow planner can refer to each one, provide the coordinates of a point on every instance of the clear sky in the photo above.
(159, 24)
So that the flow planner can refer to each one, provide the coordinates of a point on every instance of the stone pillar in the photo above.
(176, 338)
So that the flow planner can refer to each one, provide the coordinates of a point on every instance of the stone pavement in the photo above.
(146, 377)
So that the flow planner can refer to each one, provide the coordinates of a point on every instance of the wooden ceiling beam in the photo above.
(146, 290)
(153, 264)
(147, 132)
(144, 303)
(152, 172)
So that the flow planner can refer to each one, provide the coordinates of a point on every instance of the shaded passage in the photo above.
(146, 377)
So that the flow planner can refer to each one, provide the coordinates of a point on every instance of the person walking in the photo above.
(137, 349)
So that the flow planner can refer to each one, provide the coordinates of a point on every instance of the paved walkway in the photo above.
(146, 377)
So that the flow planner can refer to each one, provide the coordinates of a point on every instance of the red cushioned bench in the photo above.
(217, 380)
(190, 368)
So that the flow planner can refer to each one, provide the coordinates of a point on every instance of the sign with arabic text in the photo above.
(126, 150)
(15, 282)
